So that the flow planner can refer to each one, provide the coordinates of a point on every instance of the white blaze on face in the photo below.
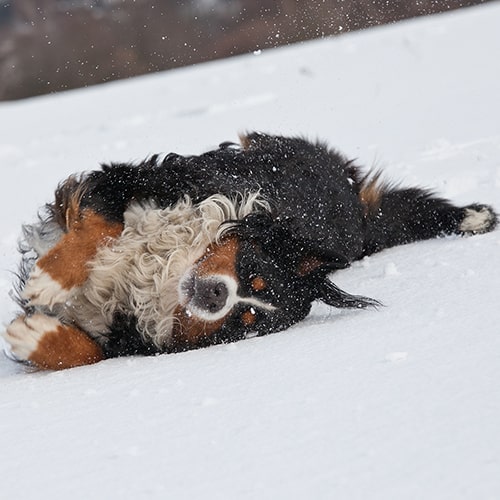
(188, 299)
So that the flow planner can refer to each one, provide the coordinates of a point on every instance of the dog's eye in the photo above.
(258, 284)
(249, 317)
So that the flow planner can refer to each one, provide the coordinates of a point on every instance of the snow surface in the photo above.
(402, 402)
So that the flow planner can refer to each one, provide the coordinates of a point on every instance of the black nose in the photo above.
(210, 295)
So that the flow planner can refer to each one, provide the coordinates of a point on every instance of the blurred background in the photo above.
(53, 45)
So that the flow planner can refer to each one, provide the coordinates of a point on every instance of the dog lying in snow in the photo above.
(180, 252)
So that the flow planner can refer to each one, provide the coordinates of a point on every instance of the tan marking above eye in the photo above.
(259, 284)
(219, 258)
(248, 317)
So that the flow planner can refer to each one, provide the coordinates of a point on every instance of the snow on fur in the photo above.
(401, 402)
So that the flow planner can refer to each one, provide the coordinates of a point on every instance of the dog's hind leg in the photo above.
(65, 266)
(63, 243)
(397, 216)
(47, 343)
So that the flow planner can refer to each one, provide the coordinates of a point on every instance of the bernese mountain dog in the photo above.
(179, 252)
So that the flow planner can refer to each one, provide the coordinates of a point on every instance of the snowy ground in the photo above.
(403, 402)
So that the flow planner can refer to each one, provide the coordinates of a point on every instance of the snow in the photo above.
(399, 402)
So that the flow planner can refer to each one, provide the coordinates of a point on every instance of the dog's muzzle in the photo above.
(206, 294)
(208, 297)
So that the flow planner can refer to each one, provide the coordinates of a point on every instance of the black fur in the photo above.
(313, 190)
(324, 214)
(316, 212)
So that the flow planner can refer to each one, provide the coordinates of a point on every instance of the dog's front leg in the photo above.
(65, 266)
(47, 343)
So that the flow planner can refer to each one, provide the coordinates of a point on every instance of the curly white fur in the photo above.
(140, 272)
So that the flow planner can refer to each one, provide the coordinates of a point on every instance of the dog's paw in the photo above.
(25, 334)
(42, 290)
(478, 219)
(47, 343)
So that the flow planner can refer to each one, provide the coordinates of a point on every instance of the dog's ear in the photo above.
(315, 270)
(331, 294)
(310, 268)
(278, 239)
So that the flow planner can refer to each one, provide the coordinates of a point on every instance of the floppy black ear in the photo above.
(330, 294)
(277, 238)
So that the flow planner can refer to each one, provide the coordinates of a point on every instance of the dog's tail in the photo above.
(395, 215)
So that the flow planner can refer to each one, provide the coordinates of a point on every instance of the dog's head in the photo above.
(256, 280)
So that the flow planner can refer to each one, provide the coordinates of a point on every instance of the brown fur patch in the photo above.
(67, 201)
(259, 284)
(244, 141)
(371, 192)
(66, 263)
(189, 330)
(308, 265)
(65, 347)
(248, 318)
(220, 259)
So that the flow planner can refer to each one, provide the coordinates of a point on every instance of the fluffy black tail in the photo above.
(396, 216)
